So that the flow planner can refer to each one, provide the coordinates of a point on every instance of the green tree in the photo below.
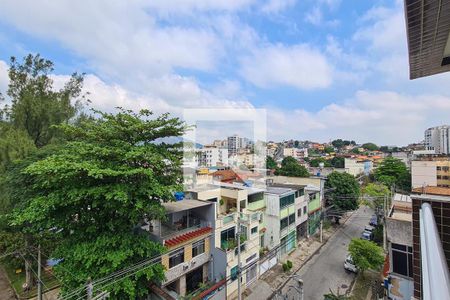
(15, 144)
(377, 192)
(329, 149)
(366, 254)
(339, 143)
(110, 176)
(36, 105)
(345, 190)
(393, 171)
(337, 162)
(290, 167)
(316, 161)
(370, 146)
(356, 151)
(271, 163)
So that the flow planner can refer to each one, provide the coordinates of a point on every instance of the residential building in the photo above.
(431, 171)
(234, 144)
(437, 139)
(314, 208)
(399, 245)
(439, 200)
(280, 220)
(187, 234)
(295, 152)
(356, 166)
(237, 210)
(212, 156)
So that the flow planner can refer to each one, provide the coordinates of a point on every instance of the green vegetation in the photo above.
(271, 163)
(287, 266)
(366, 254)
(393, 171)
(94, 179)
(377, 192)
(339, 143)
(345, 191)
(290, 167)
(370, 146)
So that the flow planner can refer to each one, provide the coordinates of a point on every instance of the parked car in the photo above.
(369, 228)
(349, 265)
(373, 221)
(367, 235)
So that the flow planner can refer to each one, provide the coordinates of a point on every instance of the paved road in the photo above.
(6, 292)
(325, 270)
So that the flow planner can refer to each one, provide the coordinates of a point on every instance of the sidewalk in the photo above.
(275, 277)
(6, 292)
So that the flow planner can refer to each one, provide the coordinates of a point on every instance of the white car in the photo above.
(349, 265)
(369, 228)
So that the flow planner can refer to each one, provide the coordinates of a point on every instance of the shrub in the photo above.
(285, 267)
(289, 264)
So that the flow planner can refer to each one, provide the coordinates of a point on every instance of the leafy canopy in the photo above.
(36, 105)
(376, 191)
(290, 167)
(393, 171)
(370, 146)
(110, 175)
(366, 254)
(345, 191)
(271, 163)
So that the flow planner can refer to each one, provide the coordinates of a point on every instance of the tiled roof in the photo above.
(187, 236)
(432, 190)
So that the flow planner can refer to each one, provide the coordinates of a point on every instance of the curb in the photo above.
(281, 286)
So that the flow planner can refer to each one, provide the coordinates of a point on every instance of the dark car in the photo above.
(373, 221)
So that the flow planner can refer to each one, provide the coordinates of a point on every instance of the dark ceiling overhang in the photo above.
(428, 31)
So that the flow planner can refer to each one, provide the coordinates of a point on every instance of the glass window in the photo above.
(198, 248)
(226, 235)
(292, 219)
(254, 229)
(283, 223)
(287, 200)
(299, 212)
(304, 209)
(176, 258)
(402, 260)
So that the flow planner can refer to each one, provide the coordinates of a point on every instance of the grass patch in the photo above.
(17, 280)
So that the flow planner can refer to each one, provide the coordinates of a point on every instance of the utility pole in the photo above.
(89, 289)
(384, 223)
(239, 254)
(39, 274)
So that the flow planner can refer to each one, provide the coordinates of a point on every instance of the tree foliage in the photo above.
(393, 171)
(111, 174)
(345, 191)
(271, 163)
(366, 254)
(370, 146)
(377, 192)
(339, 143)
(36, 105)
(290, 167)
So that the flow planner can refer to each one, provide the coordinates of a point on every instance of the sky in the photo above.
(322, 69)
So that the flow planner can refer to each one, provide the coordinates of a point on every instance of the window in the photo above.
(198, 248)
(226, 235)
(254, 230)
(299, 212)
(292, 219)
(287, 200)
(402, 260)
(304, 209)
(176, 258)
(255, 197)
(438, 168)
(445, 177)
(438, 176)
(299, 193)
(285, 222)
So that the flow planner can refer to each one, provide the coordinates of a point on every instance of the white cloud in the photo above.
(275, 6)
(383, 117)
(314, 16)
(4, 79)
(298, 66)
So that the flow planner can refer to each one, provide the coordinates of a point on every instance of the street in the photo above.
(325, 270)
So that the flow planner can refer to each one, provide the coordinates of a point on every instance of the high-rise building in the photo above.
(437, 139)
(234, 144)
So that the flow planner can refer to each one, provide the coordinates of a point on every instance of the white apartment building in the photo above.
(212, 156)
(295, 152)
(437, 139)
(357, 167)
(234, 144)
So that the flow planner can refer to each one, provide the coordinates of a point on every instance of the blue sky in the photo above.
(322, 69)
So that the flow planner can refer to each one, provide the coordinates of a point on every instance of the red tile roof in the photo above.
(186, 236)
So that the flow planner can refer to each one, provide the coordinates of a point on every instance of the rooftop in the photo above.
(432, 190)
(172, 207)
(278, 190)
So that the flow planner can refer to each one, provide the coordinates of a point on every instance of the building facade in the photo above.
(437, 139)
(431, 171)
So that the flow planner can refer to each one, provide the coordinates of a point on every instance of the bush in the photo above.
(289, 264)
(285, 267)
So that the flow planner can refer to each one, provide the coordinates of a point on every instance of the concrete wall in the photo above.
(399, 232)
(423, 173)
(300, 203)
